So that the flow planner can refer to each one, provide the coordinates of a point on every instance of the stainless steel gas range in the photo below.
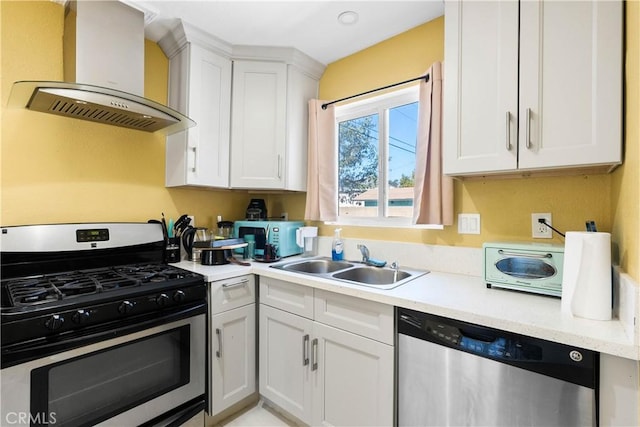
(96, 329)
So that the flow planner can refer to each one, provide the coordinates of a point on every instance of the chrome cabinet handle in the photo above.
(305, 350)
(314, 354)
(195, 159)
(236, 284)
(524, 255)
(219, 335)
(528, 128)
(508, 131)
(279, 166)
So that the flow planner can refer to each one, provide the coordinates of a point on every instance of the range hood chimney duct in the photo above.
(104, 50)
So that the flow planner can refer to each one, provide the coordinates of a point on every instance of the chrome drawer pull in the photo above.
(236, 284)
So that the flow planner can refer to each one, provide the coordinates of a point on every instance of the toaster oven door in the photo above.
(530, 271)
(526, 267)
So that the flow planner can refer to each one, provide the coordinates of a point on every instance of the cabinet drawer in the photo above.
(366, 318)
(232, 293)
(291, 297)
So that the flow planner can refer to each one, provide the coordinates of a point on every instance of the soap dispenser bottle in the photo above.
(337, 246)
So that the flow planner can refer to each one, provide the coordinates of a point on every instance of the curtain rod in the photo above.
(426, 77)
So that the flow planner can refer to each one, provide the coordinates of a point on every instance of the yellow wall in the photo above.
(505, 205)
(626, 179)
(64, 170)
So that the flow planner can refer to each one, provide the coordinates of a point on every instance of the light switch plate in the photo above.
(468, 223)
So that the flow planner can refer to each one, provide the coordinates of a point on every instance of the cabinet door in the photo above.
(233, 352)
(480, 87)
(258, 124)
(353, 383)
(570, 83)
(300, 89)
(200, 86)
(284, 361)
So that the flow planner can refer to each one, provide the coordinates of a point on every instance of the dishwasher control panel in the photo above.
(554, 359)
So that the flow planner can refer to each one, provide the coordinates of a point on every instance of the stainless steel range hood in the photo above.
(104, 53)
(97, 104)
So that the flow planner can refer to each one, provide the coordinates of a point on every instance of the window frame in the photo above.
(380, 104)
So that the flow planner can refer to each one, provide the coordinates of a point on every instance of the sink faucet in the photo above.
(365, 253)
(394, 265)
(366, 259)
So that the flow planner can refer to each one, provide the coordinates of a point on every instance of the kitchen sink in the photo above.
(373, 275)
(352, 272)
(317, 266)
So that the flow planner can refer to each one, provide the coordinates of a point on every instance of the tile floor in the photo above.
(259, 415)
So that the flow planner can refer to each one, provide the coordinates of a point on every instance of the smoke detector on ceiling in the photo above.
(348, 17)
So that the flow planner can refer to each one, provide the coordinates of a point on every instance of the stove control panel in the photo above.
(92, 235)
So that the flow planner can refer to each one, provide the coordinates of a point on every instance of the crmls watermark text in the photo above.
(26, 418)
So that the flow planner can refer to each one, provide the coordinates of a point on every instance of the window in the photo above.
(377, 159)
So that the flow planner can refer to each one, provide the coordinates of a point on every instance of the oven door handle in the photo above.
(14, 354)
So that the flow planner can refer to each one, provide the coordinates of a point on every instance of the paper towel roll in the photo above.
(586, 277)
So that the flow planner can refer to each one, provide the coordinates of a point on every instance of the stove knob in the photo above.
(162, 299)
(125, 307)
(178, 296)
(54, 322)
(80, 316)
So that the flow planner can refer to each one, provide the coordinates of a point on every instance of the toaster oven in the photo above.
(527, 267)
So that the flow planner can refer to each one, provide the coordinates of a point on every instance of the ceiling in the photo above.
(310, 26)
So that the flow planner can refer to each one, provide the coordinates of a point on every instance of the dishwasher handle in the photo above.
(410, 320)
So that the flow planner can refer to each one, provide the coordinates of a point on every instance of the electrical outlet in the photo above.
(539, 230)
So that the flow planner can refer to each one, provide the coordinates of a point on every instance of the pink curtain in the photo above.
(433, 192)
(322, 164)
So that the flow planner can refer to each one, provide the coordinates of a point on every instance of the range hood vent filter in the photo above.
(98, 104)
(95, 107)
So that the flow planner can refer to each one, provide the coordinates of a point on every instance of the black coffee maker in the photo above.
(257, 210)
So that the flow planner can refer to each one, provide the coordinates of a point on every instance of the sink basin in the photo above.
(351, 272)
(373, 275)
(317, 266)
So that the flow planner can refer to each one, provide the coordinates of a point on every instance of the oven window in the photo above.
(97, 386)
(525, 268)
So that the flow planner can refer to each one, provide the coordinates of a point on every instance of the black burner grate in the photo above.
(48, 288)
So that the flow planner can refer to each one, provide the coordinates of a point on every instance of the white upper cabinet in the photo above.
(269, 124)
(199, 87)
(259, 118)
(541, 95)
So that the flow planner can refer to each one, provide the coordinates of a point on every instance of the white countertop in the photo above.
(465, 298)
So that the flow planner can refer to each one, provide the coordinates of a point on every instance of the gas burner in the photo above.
(23, 292)
(154, 273)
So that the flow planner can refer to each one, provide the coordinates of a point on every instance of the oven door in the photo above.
(123, 381)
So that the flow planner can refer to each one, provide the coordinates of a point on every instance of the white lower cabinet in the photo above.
(321, 374)
(232, 342)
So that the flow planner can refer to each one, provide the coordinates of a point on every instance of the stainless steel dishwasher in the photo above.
(452, 373)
